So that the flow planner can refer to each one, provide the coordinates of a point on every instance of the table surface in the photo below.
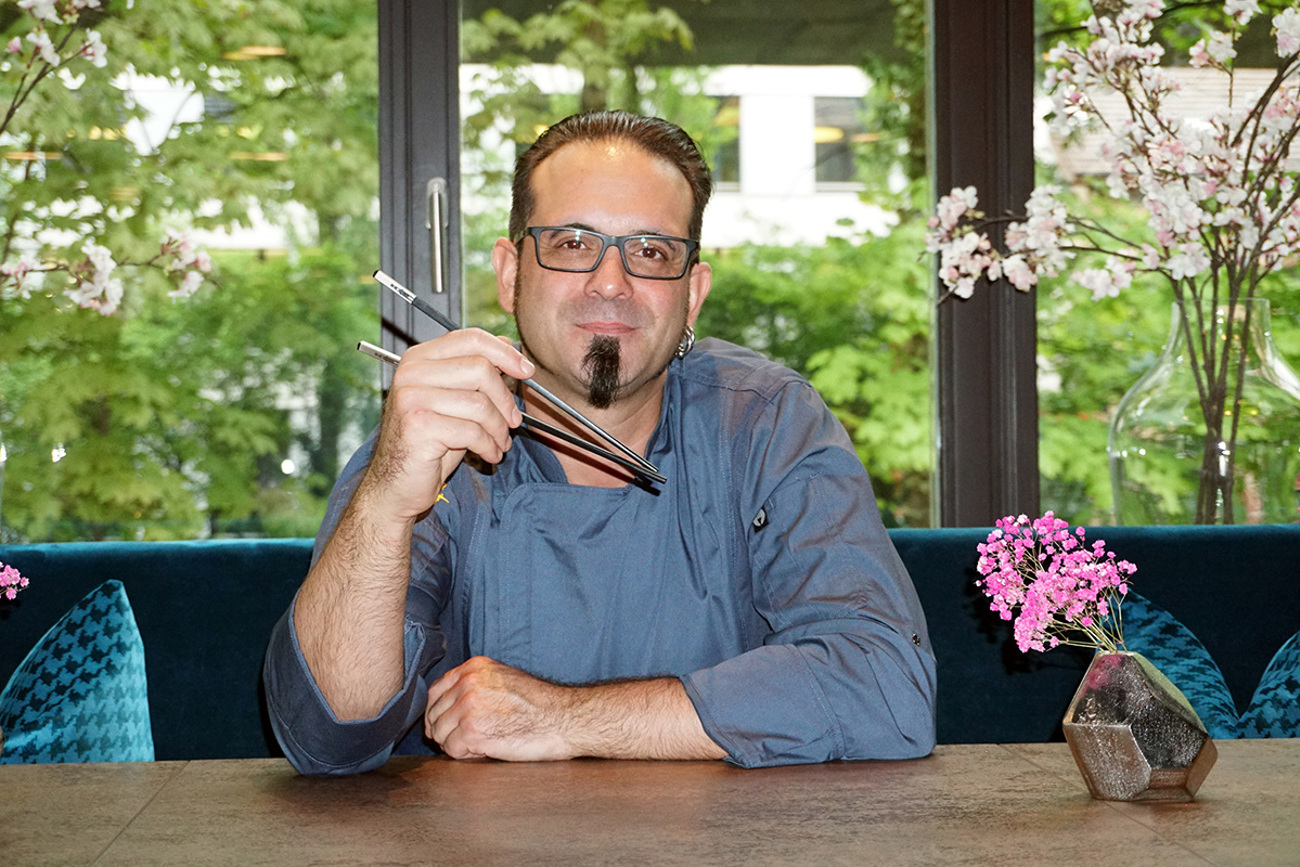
(966, 804)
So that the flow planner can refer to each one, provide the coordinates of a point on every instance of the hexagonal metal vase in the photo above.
(1134, 735)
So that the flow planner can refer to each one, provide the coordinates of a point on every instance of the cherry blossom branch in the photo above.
(93, 285)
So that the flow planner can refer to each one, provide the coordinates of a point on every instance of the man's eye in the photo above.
(649, 251)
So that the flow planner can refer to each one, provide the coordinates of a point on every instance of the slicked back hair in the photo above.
(655, 136)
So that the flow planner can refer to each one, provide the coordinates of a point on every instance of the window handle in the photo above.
(436, 222)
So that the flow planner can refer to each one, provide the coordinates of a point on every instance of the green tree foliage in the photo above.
(853, 315)
(173, 417)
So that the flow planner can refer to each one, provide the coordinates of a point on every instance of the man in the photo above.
(516, 598)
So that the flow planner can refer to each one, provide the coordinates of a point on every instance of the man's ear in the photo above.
(698, 286)
(505, 261)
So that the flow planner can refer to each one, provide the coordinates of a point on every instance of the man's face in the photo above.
(604, 334)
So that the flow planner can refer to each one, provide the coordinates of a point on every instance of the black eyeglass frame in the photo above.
(615, 241)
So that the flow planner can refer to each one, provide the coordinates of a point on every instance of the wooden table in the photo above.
(973, 804)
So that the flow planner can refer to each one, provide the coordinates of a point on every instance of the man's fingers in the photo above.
(447, 376)
(474, 342)
(435, 420)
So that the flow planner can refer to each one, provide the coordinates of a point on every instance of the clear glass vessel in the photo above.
(1211, 434)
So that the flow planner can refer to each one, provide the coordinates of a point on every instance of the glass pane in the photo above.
(815, 243)
(837, 126)
(1098, 337)
(187, 213)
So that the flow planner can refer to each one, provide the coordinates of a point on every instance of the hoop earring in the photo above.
(687, 344)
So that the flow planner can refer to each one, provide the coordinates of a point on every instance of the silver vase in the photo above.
(1134, 735)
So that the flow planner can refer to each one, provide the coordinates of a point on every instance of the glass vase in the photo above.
(1211, 434)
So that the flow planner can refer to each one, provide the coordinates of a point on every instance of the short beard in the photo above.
(602, 365)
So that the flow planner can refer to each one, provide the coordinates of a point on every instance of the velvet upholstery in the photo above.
(80, 695)
(205, 610)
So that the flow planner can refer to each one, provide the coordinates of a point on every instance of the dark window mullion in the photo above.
(419, 124)
(981, 128)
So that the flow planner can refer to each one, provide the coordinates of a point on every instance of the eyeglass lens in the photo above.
(654, 256)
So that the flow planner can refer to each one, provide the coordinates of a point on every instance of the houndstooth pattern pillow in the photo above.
(1275, 708)
(81, 694)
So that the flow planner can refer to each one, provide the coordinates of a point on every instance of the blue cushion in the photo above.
(1179, 655)
(1275, 708)
(81, 695)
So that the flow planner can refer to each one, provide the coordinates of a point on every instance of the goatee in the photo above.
(601, 365)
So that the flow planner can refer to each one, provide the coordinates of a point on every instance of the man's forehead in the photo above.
(610, 174)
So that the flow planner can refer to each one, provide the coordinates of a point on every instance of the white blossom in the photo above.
(1221, 47)
(42, 9)
(94, 49)
(1018, 273)
(1241, 11)
(1190, 260)
(41, 40)
(1287, 25)
(1106, 282)
(100, 257)
(193, 280)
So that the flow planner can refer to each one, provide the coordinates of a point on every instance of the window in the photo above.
(725, 160)
(837, 131)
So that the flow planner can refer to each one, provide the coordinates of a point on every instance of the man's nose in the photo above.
(610, 279)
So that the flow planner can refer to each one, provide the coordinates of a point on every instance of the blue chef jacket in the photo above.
(759, 574)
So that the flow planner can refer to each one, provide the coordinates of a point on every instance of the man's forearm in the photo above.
(350, 613)
(649, 719)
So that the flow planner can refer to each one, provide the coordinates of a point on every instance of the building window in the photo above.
(726, 144)
(837, 128)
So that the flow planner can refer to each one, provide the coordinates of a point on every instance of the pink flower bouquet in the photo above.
(1057, 588)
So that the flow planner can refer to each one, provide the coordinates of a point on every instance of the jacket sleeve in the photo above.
(846, 671)
(314, 740)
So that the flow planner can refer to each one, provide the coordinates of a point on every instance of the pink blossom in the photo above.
(15, 45)
(1190, 260)
(17, 270)
(955, 206)
(11, 581)
(1104, 282)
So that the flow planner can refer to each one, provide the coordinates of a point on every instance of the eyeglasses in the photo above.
(655, 257)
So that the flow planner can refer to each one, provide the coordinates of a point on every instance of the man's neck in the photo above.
(632, 420)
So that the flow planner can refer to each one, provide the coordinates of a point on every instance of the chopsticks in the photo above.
(634, 462)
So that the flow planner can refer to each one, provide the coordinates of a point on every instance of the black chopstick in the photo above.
(419, 304)
(535, 423)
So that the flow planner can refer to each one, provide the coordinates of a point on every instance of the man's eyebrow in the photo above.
(588, 228)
